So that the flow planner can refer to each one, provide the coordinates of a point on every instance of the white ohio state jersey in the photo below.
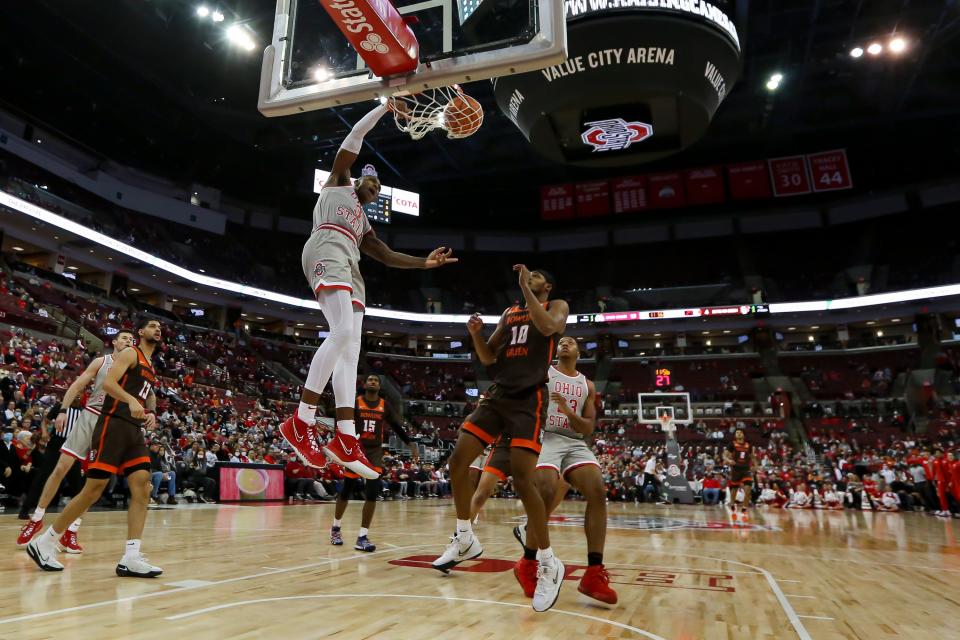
(339, 210)
(97, 394)
(575, 391)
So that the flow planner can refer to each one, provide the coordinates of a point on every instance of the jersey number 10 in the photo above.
(519, 334)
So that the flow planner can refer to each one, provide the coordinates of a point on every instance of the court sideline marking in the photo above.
(229, 605)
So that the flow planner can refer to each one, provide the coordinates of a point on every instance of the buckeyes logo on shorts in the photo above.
(319, 269)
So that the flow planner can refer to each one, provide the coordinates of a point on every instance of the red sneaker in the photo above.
(525, 571)
(305, 439)
(27, 532)
(595, 584)
(69, 542)
(346, 451)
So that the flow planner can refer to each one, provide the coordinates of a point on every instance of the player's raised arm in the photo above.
(350, 148)
(486, 349)
(377, 249)
(76, 387)
(547, 321)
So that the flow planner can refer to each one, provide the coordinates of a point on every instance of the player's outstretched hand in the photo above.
(439, 257)
(399, 107)
(524, 273)
(475, 324)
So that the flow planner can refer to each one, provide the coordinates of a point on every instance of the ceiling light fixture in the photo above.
(897, 45)
(856, 52)
(875, 49)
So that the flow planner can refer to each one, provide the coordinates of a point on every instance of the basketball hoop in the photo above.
(666, 423)
(447, 108)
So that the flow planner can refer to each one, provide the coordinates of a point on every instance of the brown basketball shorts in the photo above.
(117, 445)
(519, 419)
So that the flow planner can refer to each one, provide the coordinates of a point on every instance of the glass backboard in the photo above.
(310, 65)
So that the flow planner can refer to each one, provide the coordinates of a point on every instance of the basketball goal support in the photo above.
(668, 410)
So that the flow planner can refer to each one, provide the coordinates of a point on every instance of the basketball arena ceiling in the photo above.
(147, 83)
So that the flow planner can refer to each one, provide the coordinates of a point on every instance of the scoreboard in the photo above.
(662, 378)
(664, 314)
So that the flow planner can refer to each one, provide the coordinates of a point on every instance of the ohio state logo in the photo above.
(375, 44)
(319, 270)
(615, 134)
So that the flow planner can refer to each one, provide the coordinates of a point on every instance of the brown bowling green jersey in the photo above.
(371, 422)
(138, 381)
(742, 454)
(525, 354)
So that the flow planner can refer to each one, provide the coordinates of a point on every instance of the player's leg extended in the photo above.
(139, 484)
(468, 447)
(343, 499)
(371, 491)
(345, 375)
(43, 548)
(485, 487)
(50, 487)
(588, 480)
(523, 462)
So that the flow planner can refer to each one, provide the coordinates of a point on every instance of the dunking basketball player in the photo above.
(740, 457)
(372, 413)
(571, 419)
(518, 355)
(117, 446)
(78, 433)
(330, 261)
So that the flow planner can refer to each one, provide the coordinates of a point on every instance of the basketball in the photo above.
(462, 116)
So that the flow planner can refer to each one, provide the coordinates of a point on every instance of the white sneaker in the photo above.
(137, 567)
(43, 553)
(457, 552)
(549, 581)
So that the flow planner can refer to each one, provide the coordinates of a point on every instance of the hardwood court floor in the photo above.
(682, 573)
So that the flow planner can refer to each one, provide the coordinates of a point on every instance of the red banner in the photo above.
(704, 186)
(749, 180)
(829, 170)
(666, 190)
(629, 194)
(593, 198)
(789, 176)
(556, 202)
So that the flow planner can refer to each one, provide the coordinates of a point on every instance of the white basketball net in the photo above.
(666, 423)
(420, 113)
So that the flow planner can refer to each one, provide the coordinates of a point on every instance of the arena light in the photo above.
(17, 248)
(321, 74)
(897, 45)
(875, 49)
(241, 37)
(856, 52)
(39, 213)
(773, 83)
(203, 11)
(217, 16)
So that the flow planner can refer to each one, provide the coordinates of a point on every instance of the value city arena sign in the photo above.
(700, 8)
